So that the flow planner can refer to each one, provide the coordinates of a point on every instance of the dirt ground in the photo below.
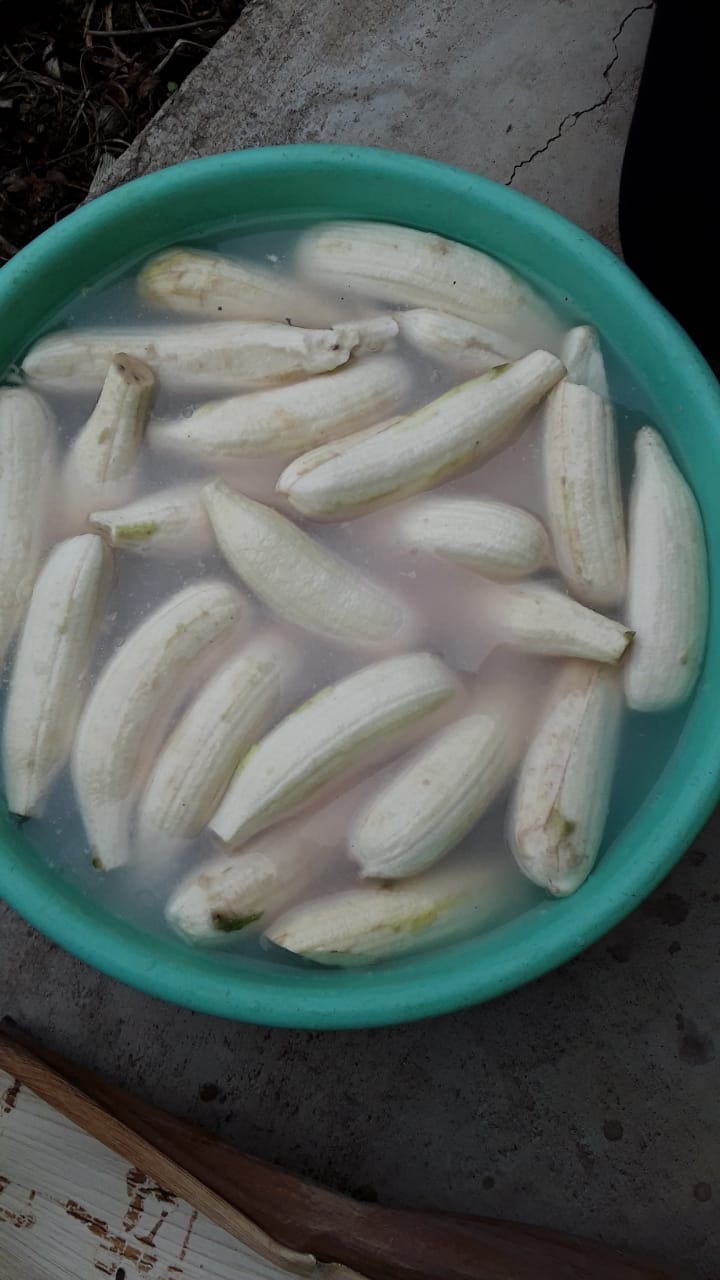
(78, 80)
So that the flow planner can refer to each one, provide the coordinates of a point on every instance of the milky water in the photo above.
(445, 598)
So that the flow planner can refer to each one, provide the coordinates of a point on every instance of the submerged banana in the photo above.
(450, 435)
(48, 679)
(493, 538)
(234, 891)
(325, 452)
(204, 749)
(223, 356)
(368, 337)
(582, 356)
(668, 581)
(196, 283)
(432, 801)
(27, 456)
(376, 921)
(541, 619)
(582, 490)
(563, 791)
(99, 463)
(128, 709)
(298, 578)
(285, 421)
(467, 347)
(166, 522)
(363, 719)
(400, 265)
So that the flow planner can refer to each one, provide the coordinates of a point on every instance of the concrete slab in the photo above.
(588, 1101)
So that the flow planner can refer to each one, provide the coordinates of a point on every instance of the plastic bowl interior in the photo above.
(253, 189)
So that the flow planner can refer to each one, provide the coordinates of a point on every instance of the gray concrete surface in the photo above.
(587, 1101)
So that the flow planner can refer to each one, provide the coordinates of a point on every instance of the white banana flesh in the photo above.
(540, 619)
(437, 797)
(469, 348)
(47, 687)
(285, 421)
(204, 749)
(374, 922)
(495, 539)
(363, 719)
(301, 580)
(100, 461)
(668, 581)
(128, 710)
(403, 266)
(167, 522)
(235, 891)
(582, 356)
(223, 356)
(563, 791)
(194, 283)
(27, 457)
(368, 337)
(325, 452)
(450, 435)
(583, 493)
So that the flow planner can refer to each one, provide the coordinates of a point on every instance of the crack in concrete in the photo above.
(574, 116)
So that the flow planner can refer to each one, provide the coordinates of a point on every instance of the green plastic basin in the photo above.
(252, 189)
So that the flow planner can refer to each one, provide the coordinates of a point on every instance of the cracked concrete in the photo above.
(477, 83)
(588, 1101)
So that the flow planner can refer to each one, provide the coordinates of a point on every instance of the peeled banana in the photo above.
(433, 800)
(401, 265)
(563, 791)
(204, 749)
(27, 456)
(127, 712)
(497, 540)
(377, 921)
(467, 347)
(582, 356)
(540, 619)
(298, 578)
(668, 581)
(195, 283)
(48, 679)
(166, 522)
(363, 719)
(99, 463)
(582, 489)
(286, 420)
(222, 356)
(450, 435)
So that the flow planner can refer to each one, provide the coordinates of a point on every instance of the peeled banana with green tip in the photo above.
(495, 539)
(196, 283)
(668, 582)
(285, 421)
(583, 493)
(302, 581)
(462, 345)
(582, 356)
(325, 452)
(99, 464)
(27, 458)
(226, 717)
(400, 265)
(215, 356)
(363, 719)
(450, 435)
(377, 921)
(540, 619)
(47, 685)
(562, 794)
(435, 798)
(166, 522)
(128, 710)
